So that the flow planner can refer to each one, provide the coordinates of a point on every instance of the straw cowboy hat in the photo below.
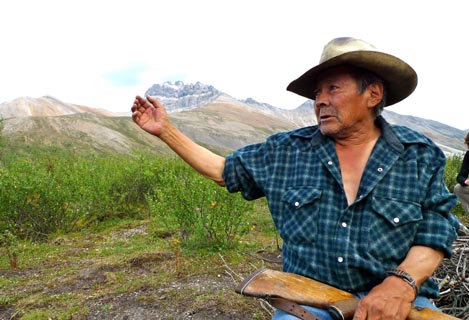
(399, 78)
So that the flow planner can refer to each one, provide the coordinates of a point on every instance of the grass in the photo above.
(76, 275)
(122, 263)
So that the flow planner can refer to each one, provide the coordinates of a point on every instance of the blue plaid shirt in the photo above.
(402, 201)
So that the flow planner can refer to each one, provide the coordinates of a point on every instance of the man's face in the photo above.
(339, 107)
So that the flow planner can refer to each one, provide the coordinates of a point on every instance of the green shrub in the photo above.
(453, 165)
(60, 192)
(63, 192)
(8, 244)
(204, 214)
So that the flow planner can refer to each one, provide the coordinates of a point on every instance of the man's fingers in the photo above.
(154, 101)
(359, 315)
(141, 102)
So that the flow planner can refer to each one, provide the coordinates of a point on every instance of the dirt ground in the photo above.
(107, 291)
(209, 295)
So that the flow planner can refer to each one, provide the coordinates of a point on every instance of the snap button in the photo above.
(297, 204)
(340, 259)
(396, 220)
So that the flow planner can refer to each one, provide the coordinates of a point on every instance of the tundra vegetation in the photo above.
(100, 236)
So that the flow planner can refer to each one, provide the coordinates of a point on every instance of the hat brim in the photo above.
(399, 78)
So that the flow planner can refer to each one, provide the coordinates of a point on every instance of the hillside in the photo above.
(212, 118)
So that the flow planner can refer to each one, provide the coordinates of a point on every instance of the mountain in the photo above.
(45, 123)
(207, 115)
(182, 97)
(450, 139)
(43, 107)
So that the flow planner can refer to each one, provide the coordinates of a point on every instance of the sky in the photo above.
(102, 53)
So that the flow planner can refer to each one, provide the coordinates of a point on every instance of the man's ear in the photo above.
(375, 91)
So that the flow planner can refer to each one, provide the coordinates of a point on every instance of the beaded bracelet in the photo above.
(406, 277)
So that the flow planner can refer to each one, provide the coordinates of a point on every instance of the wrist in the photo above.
(406, 277)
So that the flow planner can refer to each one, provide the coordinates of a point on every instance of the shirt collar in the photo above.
(389, 135)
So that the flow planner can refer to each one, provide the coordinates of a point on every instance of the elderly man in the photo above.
(360, 204)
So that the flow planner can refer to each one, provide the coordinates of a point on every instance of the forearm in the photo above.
(421, 262)
(201, 159)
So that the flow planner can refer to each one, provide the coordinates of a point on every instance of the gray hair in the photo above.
(365, 78)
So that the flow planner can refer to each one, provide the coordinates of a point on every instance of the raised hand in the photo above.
(150, 115)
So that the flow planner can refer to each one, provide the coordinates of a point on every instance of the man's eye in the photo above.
(333, 87)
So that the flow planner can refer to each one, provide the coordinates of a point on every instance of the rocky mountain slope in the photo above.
(209, 116)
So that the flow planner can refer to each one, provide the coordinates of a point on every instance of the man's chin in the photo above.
(328, 129)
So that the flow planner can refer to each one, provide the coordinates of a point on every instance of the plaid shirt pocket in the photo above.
(393, 227)
(299, 223)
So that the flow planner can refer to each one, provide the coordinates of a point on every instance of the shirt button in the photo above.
(340, 259)
(297, 204)
(344, 224)
(329, 162)
(396, 220)
(380, 169)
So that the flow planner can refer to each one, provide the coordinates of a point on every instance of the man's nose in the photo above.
(321, 99)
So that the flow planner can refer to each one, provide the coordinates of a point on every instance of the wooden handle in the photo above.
(428, 314)
(270, 283)
(266, 283)
(343, 309)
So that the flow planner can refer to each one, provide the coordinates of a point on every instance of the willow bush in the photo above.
(59, 192)
(453, 165)
(201, 212)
